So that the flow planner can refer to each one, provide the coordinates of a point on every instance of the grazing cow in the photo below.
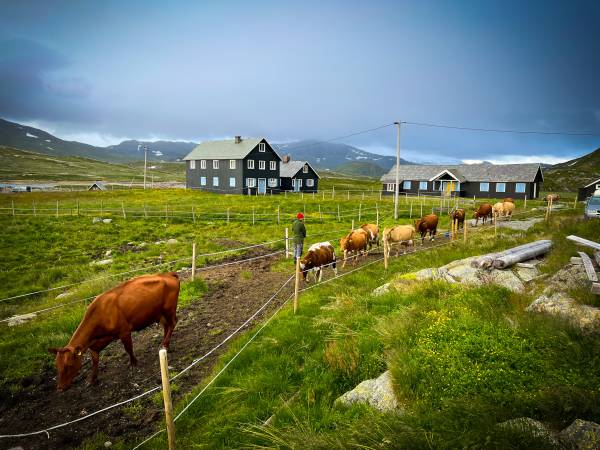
(354, 242)
(372, 233)
(426, 224)
(484, 212)
(318, 256)
(402, 234)
(498, 209)
(459, 215)
(131, 306)
(508, 199)
(553, 197)
(508, 208)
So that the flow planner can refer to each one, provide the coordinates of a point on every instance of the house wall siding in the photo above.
(470, 189)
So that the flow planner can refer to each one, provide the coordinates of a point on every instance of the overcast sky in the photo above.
(103, 71)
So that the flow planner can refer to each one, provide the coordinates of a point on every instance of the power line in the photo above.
(497, 130)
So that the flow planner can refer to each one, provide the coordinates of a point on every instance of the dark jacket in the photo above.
(299, 231)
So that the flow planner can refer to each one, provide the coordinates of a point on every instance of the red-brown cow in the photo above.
(372, 233)
(355, 242)
(318, 256)
(484, 212)
(459, 216)
(426, 224)
(553, 197)
(131, 306)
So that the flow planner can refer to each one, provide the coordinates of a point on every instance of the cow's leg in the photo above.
(169, 326)
(93, 378)
(334, 265)
(432, 233)
(345, 258)
(128, 344)
(320, 274)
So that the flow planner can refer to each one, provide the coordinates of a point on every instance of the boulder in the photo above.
(20, 319)
(96, 220)
(63, 295)
(377, 393)
(107, 220)
(585, 318)
(532, 427)
(569, 277)
(465, 273)
(102, 262)
(172, 241)
(527, 273)
(581, 435)
(507, 279)
(426, 274)
(381, 290)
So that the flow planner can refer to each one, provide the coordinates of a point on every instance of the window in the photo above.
(272, 182)
(215, 163)
(273, 165)
(231, 181)
(423, 185)
(202, 181)
(203, 164)
(406, 184)
(484, 187)
(250, 164)
(262, 147)
(262, 165)
(305, 168)
(232, 163)
(310, 182)
(215, 181)
(500, 187)
(250, 182)
(192, 164)
(520, 188)
(391, 187)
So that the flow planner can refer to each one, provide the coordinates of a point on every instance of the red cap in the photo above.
(300, 216)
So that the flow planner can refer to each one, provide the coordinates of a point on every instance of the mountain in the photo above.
(573, 174)
(361, 168)
(331, 155)
(157, 150)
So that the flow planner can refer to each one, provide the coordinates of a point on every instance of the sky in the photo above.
(104, 71)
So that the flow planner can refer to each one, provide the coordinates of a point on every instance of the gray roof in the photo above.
(467, 172)
(225, 149)
(288, 170)
(100, 185)
(593, 182)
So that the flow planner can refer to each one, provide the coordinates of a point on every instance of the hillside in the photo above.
(157, 150)
(573, 174)
(361, 168)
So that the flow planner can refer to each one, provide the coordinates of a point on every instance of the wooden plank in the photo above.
(589, 267)
(582, 241)
(597, 257)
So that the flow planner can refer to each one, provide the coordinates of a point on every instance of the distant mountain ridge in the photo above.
(573, 174)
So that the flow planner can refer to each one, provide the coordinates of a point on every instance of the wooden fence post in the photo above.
(377, 212)
(145, 211)
(297, 285)
(333, 192)
(323, 195)
(575, 203)
(363, 195)
(495, 224)
(348, 194)
(101, 207)
(465, 230)
(166, 211)
(525, 204)
(166, 389)
(278, 215)
(320, 213)
(352, 225)
(193, 217)
(339, 218)
(359, 211)
(122, 208)
(287, 243)
(547, 210)
(13, 208)
(380, 191)
(57, 209)
(227, 215)
(193, 261)
(410, 213)
(253, 215)
(421, 208)
(77, 207)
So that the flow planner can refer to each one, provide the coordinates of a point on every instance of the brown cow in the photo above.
(131, 306)
(354, 242)
(403, 234)
(426, 224)
(459, 216)
(508, 208)
(498, 210)
(372, 233)
(318, 256)
(484, 211)
(553, 197)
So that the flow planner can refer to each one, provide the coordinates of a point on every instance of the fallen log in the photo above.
(507, 258)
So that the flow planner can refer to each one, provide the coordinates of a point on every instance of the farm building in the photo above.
(234, 166)
(588, 190)
(298, 176)
(467, 180)
(97, 186)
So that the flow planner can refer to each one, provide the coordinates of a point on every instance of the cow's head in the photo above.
(418, 224)
(305, 266)
(68, 363)
(343, 242)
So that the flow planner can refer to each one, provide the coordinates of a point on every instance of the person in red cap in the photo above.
(299, 234)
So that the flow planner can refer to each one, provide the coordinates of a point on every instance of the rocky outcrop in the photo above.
(377, 393)
(585, 318)
(533, 428)
(581, 435)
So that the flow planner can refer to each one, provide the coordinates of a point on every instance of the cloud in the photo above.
(520, 159)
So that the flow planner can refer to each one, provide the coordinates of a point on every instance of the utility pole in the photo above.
(397, 187)
(145, 161)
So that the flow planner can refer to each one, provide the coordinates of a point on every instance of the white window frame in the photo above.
(202, 181)
(305, 168)
(217, 181)
(192, 164)
(203, 164)
(421, 188)
(391, 187)
(262, 147)
(297, 182)
(250, 164)
(487, 186)
(215, 164)
(250, 182)
(310, 182)
(262, 165)
(503, 187)
(232, 164)
(272, 182)
(232, 182)
(273, 165)
(406, 184)
(520, 191)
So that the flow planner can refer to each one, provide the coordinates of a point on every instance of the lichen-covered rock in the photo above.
(426, 274)
(581, 435)
(571, 276)
(377, 393)
(507, 279)
(20, 319)
(465, 273)
(586, 318)
(381, 290)
(527, 273)
(532, 427)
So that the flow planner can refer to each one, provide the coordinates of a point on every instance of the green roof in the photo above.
(226, 149)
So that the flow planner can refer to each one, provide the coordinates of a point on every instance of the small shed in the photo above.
(588, 190)
(298, 176)
(97, 186)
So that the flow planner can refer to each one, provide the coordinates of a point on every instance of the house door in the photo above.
(262, 185)
(297, 184)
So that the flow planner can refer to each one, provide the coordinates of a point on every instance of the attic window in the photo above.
(262, 147)
(305, 168)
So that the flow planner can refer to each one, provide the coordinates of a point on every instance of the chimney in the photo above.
(238, 139)
(286, 159)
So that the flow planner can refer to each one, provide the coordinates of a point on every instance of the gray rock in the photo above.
(527, 273)
(377, 393)
(108, 253)
(581, 435)
(569, 277)
(63, 295)
(532, 427)
(381, 290)
(507, 279)
(102, 262)
(96, 220)
(576, 260)
(426, 274)
(465, 274)
(172, 241)
(20, 319)
(107, 444)
(107, 220)
(443, 274)
(585, 318)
